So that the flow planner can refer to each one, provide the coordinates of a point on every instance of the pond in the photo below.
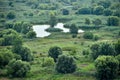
(40, 29)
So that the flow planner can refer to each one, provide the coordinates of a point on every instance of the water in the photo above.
(40, 29)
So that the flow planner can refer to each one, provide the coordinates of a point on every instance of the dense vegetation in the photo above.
(93, 54)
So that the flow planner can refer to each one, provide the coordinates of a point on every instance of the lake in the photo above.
(40, 29)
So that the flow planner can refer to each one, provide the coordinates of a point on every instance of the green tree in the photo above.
(107, 12)
(105, 4)
(65, 12)
(87, 21)
(5, 56)
(102, 49)
(117, 47)
(84, 11)
(31, 34)
(53, 19)
(107, 67)
(88, 35)
(65, 64)
(98, 10)
(54, 52)
(113, 21)
(97, 22)
(18, 68)
(73, 29)
(18, 26)
(118, 58)
(26, 27)
(11, 15)
(47, 62)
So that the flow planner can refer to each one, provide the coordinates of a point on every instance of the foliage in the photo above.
(87, 21)
(65, 12)
(54, 52)
(26, 27)
(97, 22)
(53, 20)
(84, 11)
(102, 49)
(98, 10)
(51, 29)
(118, 58)
(107, 67)
(88, 35)
(18, 68)
(73, 29)
(65, 64)
(31, 34)
(113, 21)
(107, 12)
(105, 4)
(9, 25)
(116, 13)
(11, 15)
(5, 56)
(117, 47)
(47, 62)
(24, 52)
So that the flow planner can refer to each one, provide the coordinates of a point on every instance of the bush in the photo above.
(87, 21)
(2, 15)
(104, 3)
(117, 13)
(113, 21)
(88, 35)
(97, 22)
(65, 12)
(73, 29)
(107, 12)
(9, 25)
(51, 29)
(65, 64)
(18, 68)
(31, 34)
(102, 49)
(118, 58)
(107, 67)
(84, 11)
(30, 14)
(117, 47)
(26, 27)
(11, 15)
(96, 37)
(54, 52)
(98, 10)
(5, 57)
(47, 62)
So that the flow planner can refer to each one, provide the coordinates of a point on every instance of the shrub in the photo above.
(118, 58)
(107, 67)
(84, 11)
(9, 25)
(117, 47)
(107, 12)
(113, 21)
(5, 57)
(73, 29)
(65, 64)
(88, 35)
(87, 21)
(26, 27)
(117, 13)
(65, 12)
(102, 49)
(98, 10)
(2, 15)
(31, 34)
(97, 22)
(105, 4)
(18, 68)
(11, 15)
(51, 29)
(30, 14)
(96, 37)
(48, 62)
(54, 52)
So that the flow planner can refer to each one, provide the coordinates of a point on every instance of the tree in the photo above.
(31, 34)
(11, 15)
(53, 20)
(5, 56)
(116, 13)
(102, 49)
(98, 10)
(54, 52)
(97, 22)
(88, 35)
(107, 67)
(84, 11)
(87, 21)
(113, 21)
(18, 68)
(18, 26)
(107, 12)
(117, 47)
(118, 58)
(47, 62)
(65, 12)
(105, 4)
(73, 29)
(26, 27)
(65, 64)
